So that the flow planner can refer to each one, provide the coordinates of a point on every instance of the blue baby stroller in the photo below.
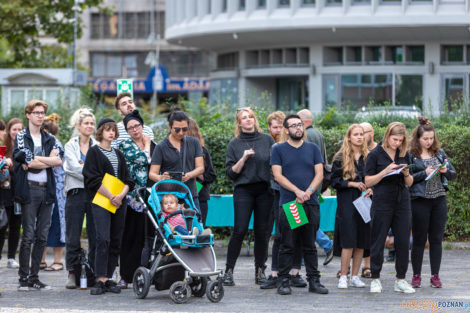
(181, 263)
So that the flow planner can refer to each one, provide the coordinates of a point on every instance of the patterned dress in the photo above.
(59, 175)
(138, 164)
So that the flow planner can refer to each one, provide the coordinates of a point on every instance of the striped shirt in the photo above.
(123, 135)
(112, 157)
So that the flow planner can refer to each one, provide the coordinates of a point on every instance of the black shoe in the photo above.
(284, 287)
(329, 257)
(36, 284)
(23, 286)
(228, 278)
(111, 286)
(297, 281)
(390, 256)
(98, 288)
(316, 287)
(270, 283)
(260, 277)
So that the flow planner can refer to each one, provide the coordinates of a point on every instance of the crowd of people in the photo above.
(47, 189)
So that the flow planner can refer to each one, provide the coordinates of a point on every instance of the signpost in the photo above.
(125, 85)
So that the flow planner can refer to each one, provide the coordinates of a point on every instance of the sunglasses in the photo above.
(243, 109)
(178, 129)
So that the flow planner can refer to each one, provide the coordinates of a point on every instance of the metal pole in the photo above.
(74, 53)
(154, 102)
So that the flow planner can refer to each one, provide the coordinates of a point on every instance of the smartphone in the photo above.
(176, 175)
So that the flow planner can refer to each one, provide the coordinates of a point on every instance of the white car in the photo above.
(399, 111)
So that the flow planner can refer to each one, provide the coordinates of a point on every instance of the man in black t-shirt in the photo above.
(297, 166)
(178, 156)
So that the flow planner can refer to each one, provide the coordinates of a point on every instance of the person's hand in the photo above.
(429, 170)
(390, 168)
(302, 196)
(54, 153)
(248, 153)
(25, 167)
(369, 192)
(443, 169)
(165, 176)
(185, 177)
(359, 185)
(405, 171)
(8, 163)
(116, 200)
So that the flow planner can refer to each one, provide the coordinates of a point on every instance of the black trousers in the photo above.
(248, 199)
(133, 240)
(204, 209)
(429, 221)
(274, 221)
(109, 228)
(77, 205)
(13, 226)
(306, 235)
(391, 210)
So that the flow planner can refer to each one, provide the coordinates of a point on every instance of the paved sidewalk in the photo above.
(247, 297)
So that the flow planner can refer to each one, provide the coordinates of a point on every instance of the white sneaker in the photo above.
(12, 263)
(403, 286)
(343, 282)
(375, 286)
(356, 282)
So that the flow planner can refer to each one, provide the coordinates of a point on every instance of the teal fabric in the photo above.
(221, 213)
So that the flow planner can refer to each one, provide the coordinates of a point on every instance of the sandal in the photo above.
(366, 273)
(338, 275)
(53, 269)
(42, 265)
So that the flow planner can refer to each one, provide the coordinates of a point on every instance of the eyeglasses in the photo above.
(299, 125)
(178, 129)
(134, 128)
(38, 113)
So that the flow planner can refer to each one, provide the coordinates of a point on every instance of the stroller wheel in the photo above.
(180, 292)
(215, 291)
(141, 282)
(198, 286)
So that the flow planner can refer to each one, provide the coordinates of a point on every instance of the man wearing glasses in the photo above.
(125, 105)
(178, 156)
(35, 153)
(291, 163)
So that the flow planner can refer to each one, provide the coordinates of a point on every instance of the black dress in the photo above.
(350, 229)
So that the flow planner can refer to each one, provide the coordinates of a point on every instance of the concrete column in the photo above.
(432, 88)
(315, 90)
(242, 84)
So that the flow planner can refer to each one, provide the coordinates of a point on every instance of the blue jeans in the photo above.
(324, 241)
(181, 230)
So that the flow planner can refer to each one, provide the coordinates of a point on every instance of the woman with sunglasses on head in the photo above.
(428, 199)
(137, 151)
(178, 156)
(387, 171)
(247, 165)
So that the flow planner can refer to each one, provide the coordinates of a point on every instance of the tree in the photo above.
(23, 22)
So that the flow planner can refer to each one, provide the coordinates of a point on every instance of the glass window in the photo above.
(397, 54)
(52, 97)
(113, 65)
(361, 2)
(330, 83)
(261, 4)
(334, 2)
(17, 98)
(453, 54)
(283, 3)
(241, 5)
(35, 94)
(359, 89)
(391, 1)
(224, 6)
(415, 54)
(130, 62)
(308, 3)
(96, 26)
(143, 25)
(454, 92)
(98, 65)
(409, 90)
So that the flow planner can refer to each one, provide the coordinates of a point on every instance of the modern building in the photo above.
(125, 43)
(321, 53)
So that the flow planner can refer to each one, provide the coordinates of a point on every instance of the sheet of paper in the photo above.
(363, 205)
(398, 170)
(434, 173)
(115, 186)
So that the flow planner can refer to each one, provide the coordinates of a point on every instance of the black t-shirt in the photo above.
(171, 160)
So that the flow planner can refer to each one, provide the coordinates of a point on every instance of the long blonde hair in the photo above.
(396, 129)
(346, 153)
(238, 117)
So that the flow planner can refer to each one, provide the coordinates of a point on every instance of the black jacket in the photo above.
(97, 165)
(23, 153)
(209, 176)
(418, 189)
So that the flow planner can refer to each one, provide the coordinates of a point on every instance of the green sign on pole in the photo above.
(125, 85)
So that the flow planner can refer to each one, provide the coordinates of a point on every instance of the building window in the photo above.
(131, 64)
(261, 4)
(333, 55)
(308, 3)
(353, 55)
(224, 6)
(390, 1)
(415, 54)
(452, 54)
(454, 91)
(361, 2)
(185, 63)
(241, 5)
(360, 89)
(334, 2)
(227, 61)
(283, 3)
(393, 54)
(409, 90)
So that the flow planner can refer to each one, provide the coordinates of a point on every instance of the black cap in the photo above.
(134, 115)
(104, 121)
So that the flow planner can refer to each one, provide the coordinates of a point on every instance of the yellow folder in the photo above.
(115, 187)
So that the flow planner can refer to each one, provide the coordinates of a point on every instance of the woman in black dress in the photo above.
(353, 233)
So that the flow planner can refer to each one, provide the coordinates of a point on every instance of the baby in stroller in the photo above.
(176, 222)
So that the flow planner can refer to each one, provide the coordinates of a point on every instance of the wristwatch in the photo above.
(310, 188)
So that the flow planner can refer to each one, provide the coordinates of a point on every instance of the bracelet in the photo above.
(407, 175)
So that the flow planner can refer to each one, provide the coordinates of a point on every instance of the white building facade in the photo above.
(322, 53)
